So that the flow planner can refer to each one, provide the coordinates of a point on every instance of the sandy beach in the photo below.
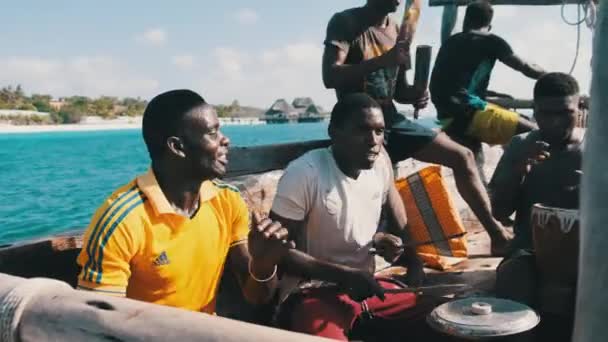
(96, 124)
(7, 129)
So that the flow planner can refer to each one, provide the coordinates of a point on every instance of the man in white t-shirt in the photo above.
(331, 201)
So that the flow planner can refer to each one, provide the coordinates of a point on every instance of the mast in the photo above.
(592, 301)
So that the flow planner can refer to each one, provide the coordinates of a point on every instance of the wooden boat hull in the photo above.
(256, 173)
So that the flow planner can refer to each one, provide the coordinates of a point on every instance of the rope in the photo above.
(588, 9)
(13, 304)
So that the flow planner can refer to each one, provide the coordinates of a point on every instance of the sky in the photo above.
(252, 51)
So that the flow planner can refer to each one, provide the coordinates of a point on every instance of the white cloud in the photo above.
(230, 61)
(88, 76)
(260, 77)
(184, 62)
(246, 16)
(153, 36)
(294, 69)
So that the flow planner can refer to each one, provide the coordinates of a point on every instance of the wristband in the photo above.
(274, 273)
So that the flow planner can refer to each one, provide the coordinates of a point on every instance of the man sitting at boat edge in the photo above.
(331, 200)
(542, 166)
(166, 236)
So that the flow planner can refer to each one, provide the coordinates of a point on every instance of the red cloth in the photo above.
(326, 313)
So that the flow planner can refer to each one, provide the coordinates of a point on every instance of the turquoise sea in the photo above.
(52, 182)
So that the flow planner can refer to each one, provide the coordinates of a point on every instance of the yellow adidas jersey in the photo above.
(137, 246)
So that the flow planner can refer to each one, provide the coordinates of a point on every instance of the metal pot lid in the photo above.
(482, 317)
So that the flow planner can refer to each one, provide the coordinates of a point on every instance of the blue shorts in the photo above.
(405, 138)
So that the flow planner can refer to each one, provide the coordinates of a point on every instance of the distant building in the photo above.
(302, 109)
(57, 104)
(302, 102)
(281, 112)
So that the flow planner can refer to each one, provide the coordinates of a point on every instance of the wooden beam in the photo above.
(526, 103)
(433, 3)
(423, 69)
(258, 159)
(591, 308)
(512, 103)
(448, 21)
(48, 310)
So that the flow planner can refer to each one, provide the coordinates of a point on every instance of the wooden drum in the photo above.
(556, 243)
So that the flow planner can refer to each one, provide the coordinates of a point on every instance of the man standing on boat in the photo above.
(460, 78)
(542, 166)
(167, 236)
(362, 54)
(331, 201)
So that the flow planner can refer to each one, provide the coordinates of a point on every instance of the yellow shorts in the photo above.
(494, 125)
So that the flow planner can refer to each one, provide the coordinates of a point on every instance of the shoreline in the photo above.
(15, 129)
(101, 126)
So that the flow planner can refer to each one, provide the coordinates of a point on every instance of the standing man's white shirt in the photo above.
(340, 214)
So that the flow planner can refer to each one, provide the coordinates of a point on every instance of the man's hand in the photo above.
(361, 285)
(268, 243)
(388, 246)
(421, 99)
(538, 153)
(416, 96)
(500, 242)
(398, 55)
(415, 271)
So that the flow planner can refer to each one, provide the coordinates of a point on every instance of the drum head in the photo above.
(476, 318)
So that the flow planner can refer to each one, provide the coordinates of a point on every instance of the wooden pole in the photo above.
(423, 69)
(49, 310)
(448, 21)
(433, 3)
(592, 301)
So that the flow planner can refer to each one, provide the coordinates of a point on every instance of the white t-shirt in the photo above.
(341, 214)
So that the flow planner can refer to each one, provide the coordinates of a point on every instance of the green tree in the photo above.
(82, 102)
(27, 106)
(223, 111)
(42, 103)
(70, 113)
(103, 106)
(235, 107)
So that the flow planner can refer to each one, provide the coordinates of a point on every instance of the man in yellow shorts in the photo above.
(460, 80)
(166, 236)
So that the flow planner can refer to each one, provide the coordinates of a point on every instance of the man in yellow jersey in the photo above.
(166, 236)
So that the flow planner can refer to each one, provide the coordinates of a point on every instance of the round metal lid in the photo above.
(482, 317)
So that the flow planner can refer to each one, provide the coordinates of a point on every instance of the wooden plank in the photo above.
(448, 21)
(526, 103)
(423, 69)
(46, 310)
(512, 103)
(433, 3)
(591, 308)
(258, 159)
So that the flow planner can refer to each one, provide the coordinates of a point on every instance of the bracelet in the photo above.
(274, 273)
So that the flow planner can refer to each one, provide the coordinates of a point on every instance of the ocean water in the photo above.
(53, 182)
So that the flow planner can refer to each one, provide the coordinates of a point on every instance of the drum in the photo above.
(479, 318)
(556, 243)
(556, 237)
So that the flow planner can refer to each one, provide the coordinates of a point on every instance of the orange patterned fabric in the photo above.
(432, 217)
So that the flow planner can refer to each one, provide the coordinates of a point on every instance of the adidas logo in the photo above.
(162, 259)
